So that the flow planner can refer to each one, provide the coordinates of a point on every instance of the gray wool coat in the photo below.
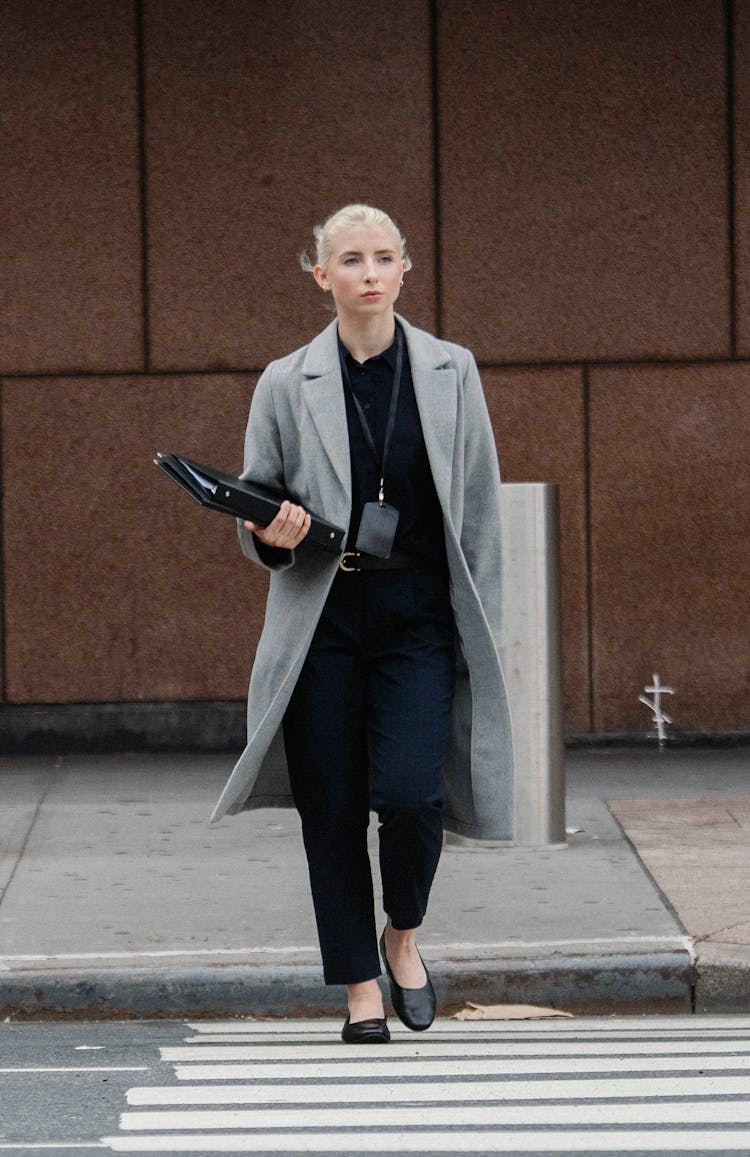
(297, 441)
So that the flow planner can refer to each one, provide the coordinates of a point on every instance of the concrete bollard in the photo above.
(532, 659)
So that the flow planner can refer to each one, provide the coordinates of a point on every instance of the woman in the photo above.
(376, 683)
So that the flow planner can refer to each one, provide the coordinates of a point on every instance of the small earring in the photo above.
(401, 283)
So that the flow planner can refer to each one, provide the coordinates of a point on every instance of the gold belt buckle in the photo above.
(342, 563)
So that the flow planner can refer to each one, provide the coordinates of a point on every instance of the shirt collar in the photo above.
(388, 355)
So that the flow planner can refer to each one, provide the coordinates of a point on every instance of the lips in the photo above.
(372, 294)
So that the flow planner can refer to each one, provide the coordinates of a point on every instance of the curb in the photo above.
(722, 983)
(661, 982)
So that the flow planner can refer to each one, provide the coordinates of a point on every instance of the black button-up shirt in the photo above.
(408, 477)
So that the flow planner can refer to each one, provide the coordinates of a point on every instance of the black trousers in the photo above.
(367, 728)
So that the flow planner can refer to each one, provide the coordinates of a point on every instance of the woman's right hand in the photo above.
(286, 531)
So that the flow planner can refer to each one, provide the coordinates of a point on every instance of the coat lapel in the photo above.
(324, 398)
(436, 391)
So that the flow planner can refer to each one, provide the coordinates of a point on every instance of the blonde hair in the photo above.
(350, 215)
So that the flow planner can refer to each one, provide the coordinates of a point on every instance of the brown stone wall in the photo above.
(70, 224)
(670, 550)
(574, 180)
(261, 120)
(117, 586)
(585, 179)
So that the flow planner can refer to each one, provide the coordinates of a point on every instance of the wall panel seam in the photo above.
(66, 375)
(201, 372)
(143, 183)
(731, 176)
(436, 171)
(3, 612)
(585, 385)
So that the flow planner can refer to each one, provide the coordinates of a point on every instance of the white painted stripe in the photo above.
(432, 1047)
(48, 1145)
(491, 1066)
(6, 962)
(500, 1116)
(476, 1030)
(81, 1069)
(558, 1043)
(457, 951)
(642, 1088)
(586, 1141)
(499, 1033)
(428, 1048)
(672, 1024)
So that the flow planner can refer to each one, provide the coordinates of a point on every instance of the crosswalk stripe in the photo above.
(435, 1039)
(479, 1141)
(504, 1048)
(338, 1053)
(589, 1026)
(636, 1087)
(50, 1146)
(492, 1066)
(76, 1069)
(606, 1115)
(556, 1089)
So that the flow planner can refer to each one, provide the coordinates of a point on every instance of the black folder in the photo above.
(241, 499)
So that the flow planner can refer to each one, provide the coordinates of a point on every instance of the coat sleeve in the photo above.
(264, 464)
(481, 529)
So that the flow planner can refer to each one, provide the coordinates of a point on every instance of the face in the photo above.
(363, 272)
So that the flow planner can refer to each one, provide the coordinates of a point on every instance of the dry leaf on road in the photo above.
(506, 1012)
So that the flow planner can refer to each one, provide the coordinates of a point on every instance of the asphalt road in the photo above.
(63, 1085)
(616, 1085)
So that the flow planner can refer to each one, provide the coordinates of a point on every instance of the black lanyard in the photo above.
(366, 431)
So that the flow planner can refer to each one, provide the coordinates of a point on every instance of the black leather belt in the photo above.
(353, 561)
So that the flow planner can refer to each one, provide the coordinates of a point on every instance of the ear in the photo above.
(321, 277)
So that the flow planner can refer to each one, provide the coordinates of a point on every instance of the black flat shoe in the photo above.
(414, 1007)
(366, 1032)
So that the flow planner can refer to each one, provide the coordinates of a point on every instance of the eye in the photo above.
(350, 261)
(388, 260)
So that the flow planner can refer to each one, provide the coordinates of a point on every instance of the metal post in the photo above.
(531, 657)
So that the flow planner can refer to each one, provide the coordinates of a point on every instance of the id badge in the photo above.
(377, 529)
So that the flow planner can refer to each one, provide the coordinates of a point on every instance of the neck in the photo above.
(367, 337)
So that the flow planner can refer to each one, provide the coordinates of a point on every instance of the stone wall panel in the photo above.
(584, 179)
(670, 543)
(262, 119)
(741, 75)
(70, 235)
(117, 586)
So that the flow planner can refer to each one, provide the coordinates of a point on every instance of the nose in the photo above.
(370, 271)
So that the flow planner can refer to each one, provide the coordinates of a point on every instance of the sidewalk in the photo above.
(119, 899)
